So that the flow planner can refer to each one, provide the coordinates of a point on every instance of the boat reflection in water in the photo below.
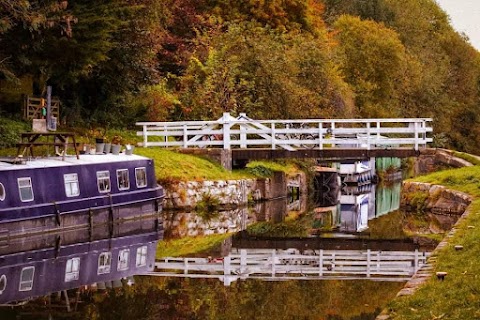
(43, 264)
(349, 210)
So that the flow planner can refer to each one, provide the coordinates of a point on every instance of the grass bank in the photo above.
(458, 296)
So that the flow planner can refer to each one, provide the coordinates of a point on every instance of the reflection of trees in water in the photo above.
(169, 298)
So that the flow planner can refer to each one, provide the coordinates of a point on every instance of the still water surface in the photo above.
(274, 267)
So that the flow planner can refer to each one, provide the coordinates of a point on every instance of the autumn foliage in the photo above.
(119, 61)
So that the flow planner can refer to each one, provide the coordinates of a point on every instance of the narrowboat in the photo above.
(55, 194)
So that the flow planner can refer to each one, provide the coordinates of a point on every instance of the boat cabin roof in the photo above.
(50, 162)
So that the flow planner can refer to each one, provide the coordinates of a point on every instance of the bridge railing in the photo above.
(279, 264)
(243, 132)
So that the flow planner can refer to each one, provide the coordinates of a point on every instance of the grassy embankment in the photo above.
(458, 296)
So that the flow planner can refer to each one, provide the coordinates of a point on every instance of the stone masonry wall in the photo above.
(438, 199)
(229, 193)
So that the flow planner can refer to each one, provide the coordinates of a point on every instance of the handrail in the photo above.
(243, 132)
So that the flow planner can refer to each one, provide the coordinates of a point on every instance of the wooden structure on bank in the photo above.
(61, 140)
(32, 107)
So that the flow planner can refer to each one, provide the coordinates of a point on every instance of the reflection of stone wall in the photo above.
(438, 198)
(190, 224)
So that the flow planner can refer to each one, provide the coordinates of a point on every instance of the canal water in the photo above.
(332, 256)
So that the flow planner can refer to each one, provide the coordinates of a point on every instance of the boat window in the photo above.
(72, 188)
(3, 283)
(2, 192)
(103, 180)
(104, 262)
(72, 269)
(141, 256)
(25, 189)
(26, 278)
(141, 177)
(123, 258)
(123, 179)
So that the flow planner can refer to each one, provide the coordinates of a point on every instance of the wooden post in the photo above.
(185, 266)
(243, 132)
(320, 264)
(226, 130)
(368, 263)
(320, 135)
(273, 261)
(145, 137)
(368, 136)
(185, 136)
(243, 260)
(416, 135)
(273, 142)
(416, 261)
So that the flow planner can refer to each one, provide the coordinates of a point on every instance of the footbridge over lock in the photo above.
(240, 139)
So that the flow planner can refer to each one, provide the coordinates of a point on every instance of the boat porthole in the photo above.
(2, 192)
(3, 283)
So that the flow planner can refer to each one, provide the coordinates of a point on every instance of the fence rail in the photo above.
(243, 132)
(32, 108)
(274, 264)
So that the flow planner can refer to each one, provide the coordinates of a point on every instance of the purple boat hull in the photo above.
(50, 205)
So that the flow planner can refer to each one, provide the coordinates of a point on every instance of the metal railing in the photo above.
(243, 132)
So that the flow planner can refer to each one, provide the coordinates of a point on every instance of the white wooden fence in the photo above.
(275, 264)
(243, 132)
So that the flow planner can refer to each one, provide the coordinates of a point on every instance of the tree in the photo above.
(264, 73)
(375, 62)
(33, 17)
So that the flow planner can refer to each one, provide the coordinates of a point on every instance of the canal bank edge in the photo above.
(440, 200)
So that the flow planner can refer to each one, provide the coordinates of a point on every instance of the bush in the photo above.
(10, 131)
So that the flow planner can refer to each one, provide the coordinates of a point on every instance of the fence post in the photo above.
(332, 126)
(320, 135)
(185, 266)
(145, 137)
(185, 136)
(416, 261)
(416, 135)
(424, 132)
(243, 132)
(272, 128)
(274, 258)
(368, 136)
(320, 263)
(368, 263)
(243, 261)
(165, 135)
(226, 130)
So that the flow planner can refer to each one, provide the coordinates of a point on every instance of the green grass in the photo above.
(458, 296)
(465, 179)
(468, 157)
(189, 246)
(174, 166)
